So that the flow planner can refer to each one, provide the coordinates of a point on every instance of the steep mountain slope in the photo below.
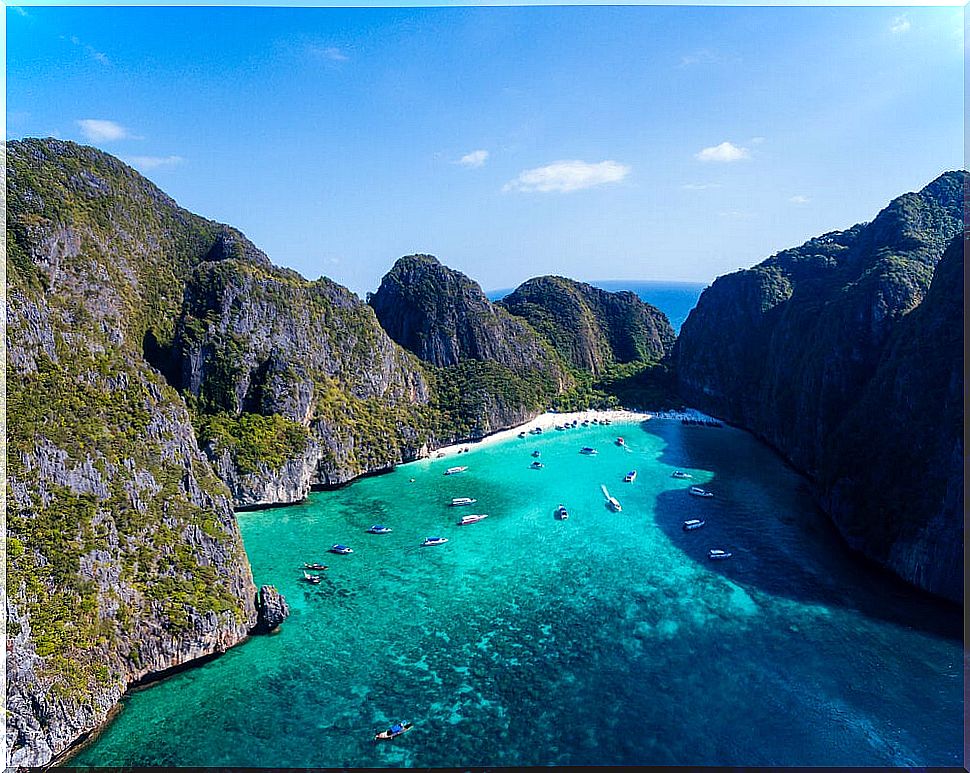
(124, 558)
(489, 369)
(294, 383)
(789, 347)
(592, 328)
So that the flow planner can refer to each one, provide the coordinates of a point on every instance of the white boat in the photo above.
(342, 550)
(714, 554)
(454, 470)
(680, 474)
(459, 501)
(434, 541)
(588, 451)
(379, 529)
(614, 504)
(313, 579)
(537, 465)
(693, 523)
(620, 441)
(466, 519)
(561, 513)
(697, 491)
(630, 476)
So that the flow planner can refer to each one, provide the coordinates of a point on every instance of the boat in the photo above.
(316, 567)
(714, 554)
(561, 513)
(313, 579)
(620, 441)
(614, 504)
(588, 451)
(586, 422)
(434, 541)
(378, 529)
(522, 434)
(399, 728)
(560, 427)
(536, 454)
(697, 491)
(340, 549)
(693, 523)
(467, 519)
(537, 465)
(680, 474)
(630, 476)
(460, 501)
(455, 470)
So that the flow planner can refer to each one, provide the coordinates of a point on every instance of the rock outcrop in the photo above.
(271, 609)
(791, 348)
(123, 556)
(591, 328)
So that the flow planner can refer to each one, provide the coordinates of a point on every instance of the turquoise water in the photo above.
(607, 638)
(675, 299)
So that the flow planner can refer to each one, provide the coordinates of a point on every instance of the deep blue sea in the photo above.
(609, 638)
(675, 299)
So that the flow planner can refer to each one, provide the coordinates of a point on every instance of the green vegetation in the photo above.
(253, 439)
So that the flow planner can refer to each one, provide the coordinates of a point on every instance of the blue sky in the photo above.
(639, 142)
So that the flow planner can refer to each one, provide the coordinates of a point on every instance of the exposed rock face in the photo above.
(271, 609)
(791, 348)
(299, 371)
(124, 558)
(444, 318)
(592, 328)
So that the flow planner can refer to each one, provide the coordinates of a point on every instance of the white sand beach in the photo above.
(548, 421)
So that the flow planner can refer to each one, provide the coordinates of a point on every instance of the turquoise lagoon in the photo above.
(608, 638)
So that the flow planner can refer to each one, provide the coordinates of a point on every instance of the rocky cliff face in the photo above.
(489, 370)
(790, 348)
(592, 328)
(124, 558)
(295, 382)
(444, 318)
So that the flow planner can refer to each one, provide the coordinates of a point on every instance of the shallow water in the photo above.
(608, 638)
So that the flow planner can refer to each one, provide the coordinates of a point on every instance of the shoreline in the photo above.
(547, 421)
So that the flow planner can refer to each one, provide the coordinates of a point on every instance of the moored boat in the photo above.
(680, 474)
(455, 470)
(313, 579)
(537, 465)
(561, 513)
(588, 451)
(630, 476)
(399, 728)
(714, 554)
(697, 491)
(693, 523)
(317, 567)
(522, 434)
(536, 454)
(461, 501)
(620, 441)
(340, 549)
(378, 529)
(614, 504)
(434, 541)
(475, 518)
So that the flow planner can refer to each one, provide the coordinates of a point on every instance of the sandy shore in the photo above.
(548, 421)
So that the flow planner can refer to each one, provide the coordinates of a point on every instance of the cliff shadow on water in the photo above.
(782, 543)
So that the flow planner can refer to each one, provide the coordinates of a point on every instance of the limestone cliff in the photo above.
(790, 348)
(124, 558)
(592, 328)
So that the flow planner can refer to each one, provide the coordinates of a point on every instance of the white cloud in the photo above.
(799, 199)
(101, 130)
(900, 25)
(703, 56)
(725, 152)
(19, 10)
(91, 50)
(474, 159)
(567, 176)
(756, 140)
(699, 186)
(332, 53)
(152, 162)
